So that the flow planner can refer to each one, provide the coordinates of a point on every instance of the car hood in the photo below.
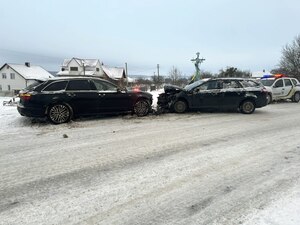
(170, 88)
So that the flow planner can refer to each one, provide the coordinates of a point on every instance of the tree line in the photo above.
(289, 65)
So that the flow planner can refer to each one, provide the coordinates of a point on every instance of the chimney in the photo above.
(27, 64)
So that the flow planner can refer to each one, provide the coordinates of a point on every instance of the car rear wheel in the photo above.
(59, 113)
(180, 106)
(247, 107)
(296, 97)
(141, 107)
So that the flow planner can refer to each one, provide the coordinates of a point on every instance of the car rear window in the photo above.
(295, 82)
(34, 85)
(56, 86)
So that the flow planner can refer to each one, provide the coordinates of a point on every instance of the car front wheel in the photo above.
(141, 107)
(59, 113)
(269, 98)
(180, 106)
(296, 97)
(247, 107)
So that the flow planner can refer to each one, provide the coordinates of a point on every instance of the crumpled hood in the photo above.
(170, 88)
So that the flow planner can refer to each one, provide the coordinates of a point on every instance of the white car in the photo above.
(280, 88)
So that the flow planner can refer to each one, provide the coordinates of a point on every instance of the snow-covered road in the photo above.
(196, 168)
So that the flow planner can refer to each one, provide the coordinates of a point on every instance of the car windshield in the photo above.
(193, 85)
(267, 82)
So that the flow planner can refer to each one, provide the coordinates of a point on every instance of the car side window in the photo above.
(56, 86)
(287, 82)
(230, 84)
(79, 85)
(209, 85)
(278, 83)
(104, 86)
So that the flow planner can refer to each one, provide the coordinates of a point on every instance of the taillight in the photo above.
(25, 96)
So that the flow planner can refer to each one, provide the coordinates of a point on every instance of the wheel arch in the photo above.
(60, 102)
(181, 99)
(243, 101)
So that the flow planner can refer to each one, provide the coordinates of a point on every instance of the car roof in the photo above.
(230, 78)
(76, 77)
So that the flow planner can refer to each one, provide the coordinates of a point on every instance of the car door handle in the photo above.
(71, 94)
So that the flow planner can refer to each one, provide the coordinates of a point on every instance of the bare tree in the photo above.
(290, 59)
(175, 75)
(233, 72)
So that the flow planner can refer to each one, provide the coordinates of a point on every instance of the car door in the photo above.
(288, 86)
(278, 89)
(206, 95)
(82, 97)
(231, 94)
(111, 98)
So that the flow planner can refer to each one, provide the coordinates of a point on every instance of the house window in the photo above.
(97, 69)
(12, 76)
(3, 75)
(8, 87)
(73, 68)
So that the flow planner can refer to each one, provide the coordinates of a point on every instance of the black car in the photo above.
(62, 98)
(214, 94)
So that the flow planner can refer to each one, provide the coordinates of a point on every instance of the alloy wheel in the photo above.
(59, 113)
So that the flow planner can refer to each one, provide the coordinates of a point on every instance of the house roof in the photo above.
(31, 72)
(87, 62)
(114, 73)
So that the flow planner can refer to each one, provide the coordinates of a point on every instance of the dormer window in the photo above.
(73, 68)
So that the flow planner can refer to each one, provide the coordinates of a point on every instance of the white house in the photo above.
(92, 67)
(115, 74)
(14, 77)
(76, 66)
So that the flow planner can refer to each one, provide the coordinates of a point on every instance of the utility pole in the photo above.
(83, 68)
(158, 81)
(126, 73)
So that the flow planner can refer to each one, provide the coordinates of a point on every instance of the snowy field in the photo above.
(195, 168)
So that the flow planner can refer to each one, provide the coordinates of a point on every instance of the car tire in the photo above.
(59, 113)
(180, 106)
(296, 97)
(269, 99)
(141, 107)
(247, 107)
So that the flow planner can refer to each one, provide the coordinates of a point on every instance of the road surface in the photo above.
(195, 168)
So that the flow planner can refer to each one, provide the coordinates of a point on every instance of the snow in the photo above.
(283, 210)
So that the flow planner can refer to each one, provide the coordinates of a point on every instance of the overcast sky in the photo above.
(247, 34)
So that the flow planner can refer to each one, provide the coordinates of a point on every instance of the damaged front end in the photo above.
(165, 100)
